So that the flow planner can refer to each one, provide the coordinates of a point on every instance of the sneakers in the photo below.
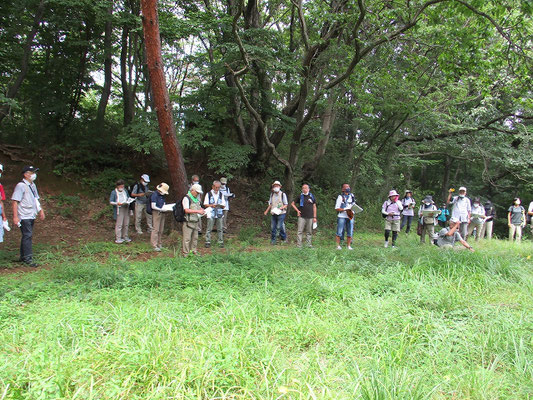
(207, 245)
(119, 241)
(139, 232)
(30, 264)
(127, 240)
(386, 244)
(350, 248)
(339, 248)
(157, 249)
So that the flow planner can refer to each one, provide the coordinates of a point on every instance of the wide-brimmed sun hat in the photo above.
(393, 193)
(197, 188)
(163, 188)
(276, 183)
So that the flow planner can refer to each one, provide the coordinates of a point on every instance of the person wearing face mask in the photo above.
(119, 200)
(462, 209)
(224, 189)
(195, 180)
(26, 207)
(391, 210)
(306, 211)
(141, 194)
(478, 219)
(408, 212)
(277, 205)
(516, 220)
(490, 216)
(343, 206)
(428, 221)
(215, 200)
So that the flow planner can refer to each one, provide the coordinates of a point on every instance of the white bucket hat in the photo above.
(163, 188)
(145, 178)
(196, 187)
(276, 183)
(393, 193)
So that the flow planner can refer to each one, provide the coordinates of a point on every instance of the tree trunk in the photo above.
(446, 178)
(171, 146)
(24, 66)
(108, 64)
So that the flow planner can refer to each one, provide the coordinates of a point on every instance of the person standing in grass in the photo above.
(306, 211)
(119, 200)
(478, 219)
(428, 222)
(443, 216)
(391, 211)
(26, 207)
(408, 213)
(2, 208)
(462, 209)
(157, 202)
(343, 206)
(141, 195)
(530, 213)
(193, 212)
(490, 216)
(516, 219)
(195, 180)
(215, 200)
(448, 236)
(224, 189)
(277, 206)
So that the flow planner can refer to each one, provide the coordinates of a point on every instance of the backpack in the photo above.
(130, 188)
(179, 212)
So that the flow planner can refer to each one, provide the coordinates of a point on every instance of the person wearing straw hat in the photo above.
(428, 222)
(119, 200)
(214, 199)
(448, 236)
(408, 213)
(478, 219)
(306, 211)
(141, 194)
(193, 212)
(277, 206)
(26, 208)
(157, 201)
(391, 211)
(462, 209)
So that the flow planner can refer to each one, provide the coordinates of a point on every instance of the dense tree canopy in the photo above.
(379, 93)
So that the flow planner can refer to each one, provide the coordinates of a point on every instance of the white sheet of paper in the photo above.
(168, 207)
(208, 212)
(130, 200)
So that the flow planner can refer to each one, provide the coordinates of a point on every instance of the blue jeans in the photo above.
(344, 225)
(26, 251)
(406, 220)
(278, 223)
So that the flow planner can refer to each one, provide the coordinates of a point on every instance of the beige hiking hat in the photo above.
(163, 188)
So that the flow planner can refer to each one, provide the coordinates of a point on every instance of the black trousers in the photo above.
(26, 251)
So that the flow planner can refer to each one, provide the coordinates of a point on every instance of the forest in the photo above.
(423, 95)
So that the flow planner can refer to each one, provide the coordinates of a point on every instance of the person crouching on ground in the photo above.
(516, 220)
(306, 211)
(215, 200)
(443, 216)
(477, 220)
(448, 236)
(428, 222)
(343, 205)
(193, 212)
(277, 205)
(157, 202)
(119, 200)
(408, 213)
(391, 210)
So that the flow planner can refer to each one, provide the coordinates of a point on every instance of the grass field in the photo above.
(374, 323)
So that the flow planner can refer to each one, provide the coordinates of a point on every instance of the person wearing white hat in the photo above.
(224, 189)
(215, 200)
(448, 236)
(141, 194)
(193, 212)
(428, 221)
(277, 206)
(195, 180)
(391, 211)
(462, 209)
(157, 202)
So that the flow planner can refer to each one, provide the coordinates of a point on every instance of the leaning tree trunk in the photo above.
(176, 166)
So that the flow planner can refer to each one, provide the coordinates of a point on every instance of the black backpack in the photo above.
(130, 188)
(179, 212)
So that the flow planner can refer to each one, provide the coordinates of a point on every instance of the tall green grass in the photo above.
(415, 323)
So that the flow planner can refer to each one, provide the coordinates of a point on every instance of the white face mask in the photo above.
(461, 196)
(33, 177)
(120, 190)
(144, 183)
(195, 182)
(476, 204)
(277, 189)
(517, 202)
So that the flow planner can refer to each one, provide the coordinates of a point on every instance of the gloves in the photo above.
(6, 225)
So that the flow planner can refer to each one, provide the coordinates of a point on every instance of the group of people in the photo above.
(139, 200)
(466, 217)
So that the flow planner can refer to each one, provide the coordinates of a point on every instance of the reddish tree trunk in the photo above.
(176, 166)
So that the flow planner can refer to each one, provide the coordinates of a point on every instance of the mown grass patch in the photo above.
(416, 323)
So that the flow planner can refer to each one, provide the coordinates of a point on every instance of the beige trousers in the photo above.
(304, 225)
(486, 230)
(122, 223)
(158, 219)
(190, 237)
(140, 210)
(478, 227)
(427, 229)
(515, 230)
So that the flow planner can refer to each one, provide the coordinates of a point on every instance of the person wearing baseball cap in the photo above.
(141, 194)
(26, 208)
(462, 209)
(193, 212)
(448, 236)
(391, 211)
(277, 205)
(157, 201)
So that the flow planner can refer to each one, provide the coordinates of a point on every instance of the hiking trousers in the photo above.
(190, 237)
(220, 230)
(140, 210)
(122, 223)
(305, 225)
(156, 237)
